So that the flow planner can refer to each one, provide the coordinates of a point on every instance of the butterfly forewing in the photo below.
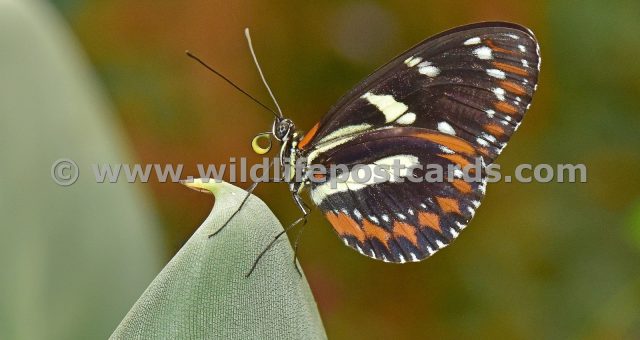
(475, 82)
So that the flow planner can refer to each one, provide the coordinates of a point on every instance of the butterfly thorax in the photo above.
(291, 161)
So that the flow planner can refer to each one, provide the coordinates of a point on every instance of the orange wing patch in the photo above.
(308, 136)
(449, 205)
(496, 48)
(430, 220)
(407, 231)
(374, 230)
(319, 176)
(494, 129)
(345, 225)
(451, 142)
(462, 186)
(511, 68)
(456, 159)
(483, 151)
(512, 87)
(505, 107)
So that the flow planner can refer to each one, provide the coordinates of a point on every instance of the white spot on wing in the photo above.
(407, 163)
(483, 187)
(453, 232)
(428, 70)
(374, 219)
(446, 149)
(402, 260)
(412, 61)
(471, 211)
(490, 113)
(499, 92)
(407, 118)
(502, 147)
(357, 214)
(319, 193)
(496, 73)
(472, 41)
(391, 108)
(488, 137)
(414, 258)
(525, 63)
(484, 53)
(444, 127)
(345, 131)
(404, 160)
(440, 244)
(522, 48)
(482, 141)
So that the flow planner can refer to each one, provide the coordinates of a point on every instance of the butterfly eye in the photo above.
(282, 129)
(261, 139)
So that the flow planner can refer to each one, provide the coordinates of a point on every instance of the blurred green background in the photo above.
(554, 260)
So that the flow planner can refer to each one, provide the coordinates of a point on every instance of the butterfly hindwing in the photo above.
(399, 220)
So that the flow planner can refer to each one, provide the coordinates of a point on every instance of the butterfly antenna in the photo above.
(264, 80)
(194, 57)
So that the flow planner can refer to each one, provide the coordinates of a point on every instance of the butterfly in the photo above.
(452, 99)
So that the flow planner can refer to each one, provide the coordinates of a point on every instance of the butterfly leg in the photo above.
(275, 239)
(295, 248)
(305, 212)
(244, 200)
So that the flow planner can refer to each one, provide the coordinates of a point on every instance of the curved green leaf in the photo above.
(203, 291)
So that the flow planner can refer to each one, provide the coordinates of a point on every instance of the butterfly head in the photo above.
(282, 129)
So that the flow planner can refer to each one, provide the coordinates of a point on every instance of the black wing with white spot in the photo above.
(474, 82)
